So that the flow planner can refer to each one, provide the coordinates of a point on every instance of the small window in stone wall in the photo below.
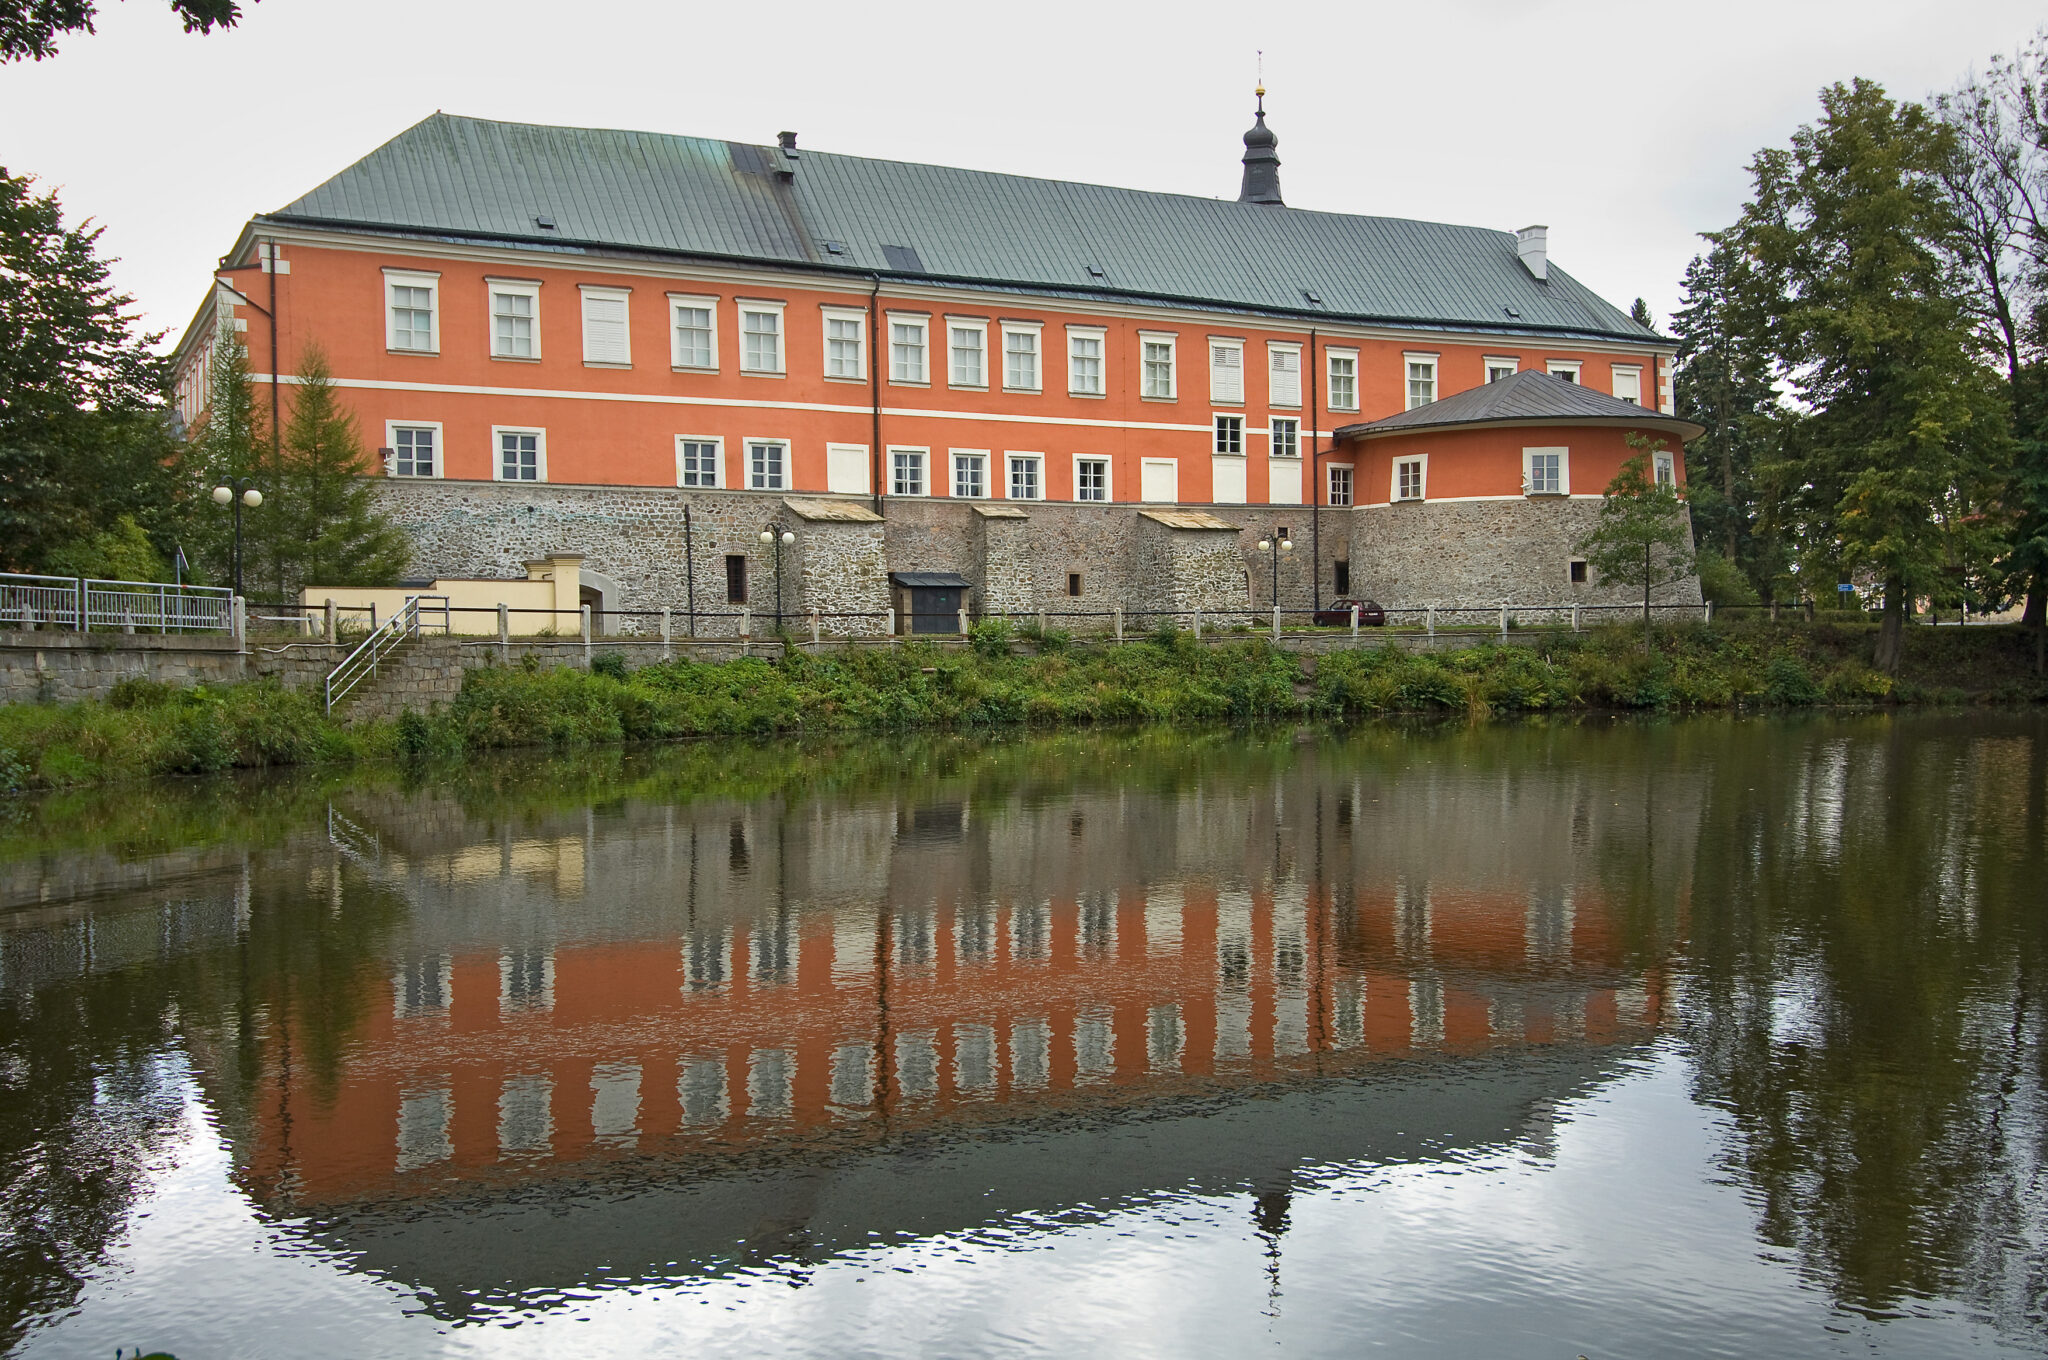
(1578, 573)
(1074, 583)
(1343, 578)
(735, 578)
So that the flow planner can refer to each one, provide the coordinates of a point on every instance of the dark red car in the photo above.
(1337, 614)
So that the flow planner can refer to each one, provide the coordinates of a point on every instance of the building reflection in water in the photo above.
(713, 984)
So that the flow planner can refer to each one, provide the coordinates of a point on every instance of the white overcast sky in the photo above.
(1625, 127)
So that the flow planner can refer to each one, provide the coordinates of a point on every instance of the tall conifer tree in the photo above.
(327, 529)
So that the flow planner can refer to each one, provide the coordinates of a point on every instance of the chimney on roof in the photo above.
(787, 141)
(1261, 161)
(1532, 244)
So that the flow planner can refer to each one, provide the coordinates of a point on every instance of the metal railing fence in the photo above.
(85, 604)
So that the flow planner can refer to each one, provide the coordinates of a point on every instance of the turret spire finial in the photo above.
(1261, 154)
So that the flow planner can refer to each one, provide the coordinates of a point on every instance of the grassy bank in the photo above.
(1002, 681)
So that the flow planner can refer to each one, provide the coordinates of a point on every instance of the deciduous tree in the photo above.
(1900, 443)
(1642, 540)
(30, 28)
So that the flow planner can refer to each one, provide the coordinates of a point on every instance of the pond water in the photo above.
(1708, 1037)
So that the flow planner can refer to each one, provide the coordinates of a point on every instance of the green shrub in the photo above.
(609, 663)
(1788, 682)
(991, 638)
(139, 692)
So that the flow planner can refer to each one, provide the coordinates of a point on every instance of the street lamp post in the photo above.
(1275, 545)
(780, 537)
(239, 492)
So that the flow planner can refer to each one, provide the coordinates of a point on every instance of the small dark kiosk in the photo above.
(929, 601)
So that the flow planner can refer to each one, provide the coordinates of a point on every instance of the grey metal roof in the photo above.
(472, 178)
(931, 580)
(1522, 399)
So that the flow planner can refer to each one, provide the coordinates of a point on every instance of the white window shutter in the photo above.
(604, 330)
(1286, 367)
(1226, 373)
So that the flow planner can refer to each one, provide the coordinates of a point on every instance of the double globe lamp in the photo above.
(251, 497)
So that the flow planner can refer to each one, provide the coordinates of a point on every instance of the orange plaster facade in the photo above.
(618, 425)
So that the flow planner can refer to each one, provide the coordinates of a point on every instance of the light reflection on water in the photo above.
(1436, 1043)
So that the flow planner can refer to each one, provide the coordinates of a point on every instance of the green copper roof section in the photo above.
(602, 189)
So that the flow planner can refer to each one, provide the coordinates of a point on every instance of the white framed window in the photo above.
(967, 351)
(906, 471)
(1283, 374)
(909, 348)
(970, 473)
(1286, 437)
(1501, 366)
(693, 331)
(607, 335)
(412, 311)
(760, 336)
(1091, 478)
(1020, 357)
(1084, 360)
(1411, 478)
(1226, 371)
(768, 464)
(1568, 369)
(1343, 378)
(1665, 466)
(1340, 484)
(415, 448)
(515, 318)
(1229, 435)
(1628, 383)
(847, 469)
(520, 455)
(846, 343)
(1421, 371)
(1158, 378)
(1027, 476)
(1546, 472)
(697, 460)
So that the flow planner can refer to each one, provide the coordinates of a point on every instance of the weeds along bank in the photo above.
(146, 729)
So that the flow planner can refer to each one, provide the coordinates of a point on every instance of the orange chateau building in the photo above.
(648, 349)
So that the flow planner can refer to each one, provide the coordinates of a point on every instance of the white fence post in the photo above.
(1276, 623)
(504, 632)
(1429, 618)
(963, 620)
(1503, 620)
(1354, 623)
(667, 633)
(889, 627)
(333, 624)
(1709, 607)
(584, 611)
(814, 627)
(1119, 623)
(1198, 624)
(1575, 616)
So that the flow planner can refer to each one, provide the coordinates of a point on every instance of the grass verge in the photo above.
(145, 729)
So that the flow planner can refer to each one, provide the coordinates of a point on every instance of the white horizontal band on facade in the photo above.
(740, 403)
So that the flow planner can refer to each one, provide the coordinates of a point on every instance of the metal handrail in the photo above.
(382, 641)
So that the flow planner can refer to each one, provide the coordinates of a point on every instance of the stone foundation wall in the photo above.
(1474, 552)
(1407, 555)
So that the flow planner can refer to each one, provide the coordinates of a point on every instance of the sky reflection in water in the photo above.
(1706, 1038)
